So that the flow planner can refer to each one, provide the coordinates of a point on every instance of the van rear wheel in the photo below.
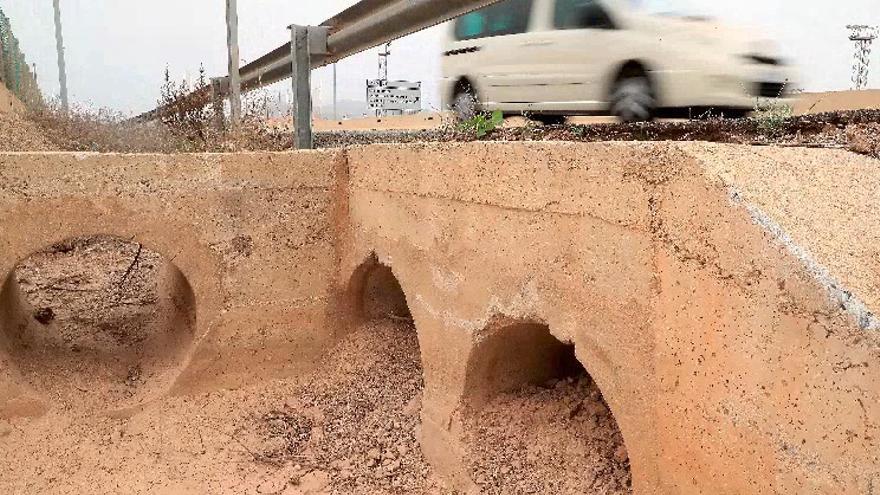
(633, 99)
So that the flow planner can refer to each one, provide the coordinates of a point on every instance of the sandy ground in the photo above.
(832, 101)
(396, 122)
(350, 426)
(351, 429)
(8, 101)
(558, 437)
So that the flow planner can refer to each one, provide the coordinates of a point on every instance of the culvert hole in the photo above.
(97, 321)
(536, 421)
(357, 416)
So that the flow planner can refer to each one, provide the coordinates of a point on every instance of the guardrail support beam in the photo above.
(302, 95)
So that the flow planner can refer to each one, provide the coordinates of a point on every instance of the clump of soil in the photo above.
(865, 139)
(356, 426)
(556, 438)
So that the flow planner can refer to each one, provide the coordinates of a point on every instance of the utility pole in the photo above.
(335, 114)
(862, 36)
(34, 90)
(62, 68)
(383, 74)
(234, 58)
(383, 62)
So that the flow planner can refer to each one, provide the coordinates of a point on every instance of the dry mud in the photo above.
(558, 437)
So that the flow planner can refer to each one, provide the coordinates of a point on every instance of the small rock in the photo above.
(413, 407)
(44, 315)
(374, 454)
(620, 454)
(595, 408)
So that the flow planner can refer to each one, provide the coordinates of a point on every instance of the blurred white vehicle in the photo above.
(629, 58)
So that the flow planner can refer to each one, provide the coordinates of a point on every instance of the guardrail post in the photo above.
(217, 102)
(302, 94)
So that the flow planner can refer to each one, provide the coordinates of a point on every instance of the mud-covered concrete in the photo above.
(251, 234)
(721, 297)
(727, 358)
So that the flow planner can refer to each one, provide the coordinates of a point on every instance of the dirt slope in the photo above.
(17, 133)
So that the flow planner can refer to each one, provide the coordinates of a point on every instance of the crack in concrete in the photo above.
(637, 227)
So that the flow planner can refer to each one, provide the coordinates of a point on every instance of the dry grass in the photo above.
(103, 131)
(187, 128)
(110, 132)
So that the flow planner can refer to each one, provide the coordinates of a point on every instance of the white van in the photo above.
(629, 58)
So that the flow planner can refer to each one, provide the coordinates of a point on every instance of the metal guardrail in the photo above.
(367, 24)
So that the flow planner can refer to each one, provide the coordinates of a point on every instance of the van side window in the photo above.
(499, 19)
(581, 14)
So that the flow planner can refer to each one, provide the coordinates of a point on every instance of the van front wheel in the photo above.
(633, 99)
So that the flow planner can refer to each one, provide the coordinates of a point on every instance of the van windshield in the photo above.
(675, 8)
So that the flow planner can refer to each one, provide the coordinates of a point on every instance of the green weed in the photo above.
(483, 123)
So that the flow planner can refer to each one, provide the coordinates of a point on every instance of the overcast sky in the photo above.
(117, 50)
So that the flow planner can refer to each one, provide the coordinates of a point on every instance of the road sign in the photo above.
(394, 96)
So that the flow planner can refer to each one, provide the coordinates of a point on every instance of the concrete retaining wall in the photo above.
(730, 332)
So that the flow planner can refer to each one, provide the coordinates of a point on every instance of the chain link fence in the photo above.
(15, 73)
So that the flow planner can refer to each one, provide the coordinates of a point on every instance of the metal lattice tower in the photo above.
(383, 62)
(863, 36)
